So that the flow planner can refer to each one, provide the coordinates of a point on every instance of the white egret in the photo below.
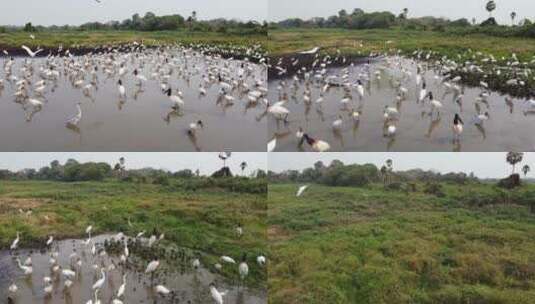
(301, 190)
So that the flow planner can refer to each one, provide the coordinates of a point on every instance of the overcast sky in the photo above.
(207, 162)
(484, 165)
(452, 9)
(75, 12)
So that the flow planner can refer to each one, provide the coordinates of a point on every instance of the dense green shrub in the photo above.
(434, 189)
(233, 184)
(161, 180)
(87, 171)
(352, 175)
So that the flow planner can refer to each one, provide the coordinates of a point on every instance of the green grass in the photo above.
(288, 41)
(52, 39)
(368, 245)
(204, 220)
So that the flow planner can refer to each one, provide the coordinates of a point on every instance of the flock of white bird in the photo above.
(70, 272)
(319, 79)
(135, 68)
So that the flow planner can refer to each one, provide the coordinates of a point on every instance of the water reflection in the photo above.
(186, 285)
(226, 93)
(315, 99)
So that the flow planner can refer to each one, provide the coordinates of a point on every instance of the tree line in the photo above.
(73, 171)
(359, 19)
(151, 22)
(339, 174)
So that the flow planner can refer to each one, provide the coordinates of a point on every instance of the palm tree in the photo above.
(389, 164)
(514, 158)
(526, 169)
(121, 166)
(513, 16)
(390, 168)
(491, 5)
(405, 13)
(384, 173)
(243, 165)
(224, 156)
(474, 21)
(191, 19)
(197, 172)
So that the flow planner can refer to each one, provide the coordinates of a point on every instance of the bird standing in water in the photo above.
(457, 127)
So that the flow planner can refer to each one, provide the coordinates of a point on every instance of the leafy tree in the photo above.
(186, 173)
(28, 27)
(310, 175)
(293, 175)
(319, 165)
(336, 164)
(161, 179)
(351, 175)
(261, 173)
(357, 12)
(150, 22)
(460, 23)
(71, 162)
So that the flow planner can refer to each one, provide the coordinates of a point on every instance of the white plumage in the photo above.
(301, 190)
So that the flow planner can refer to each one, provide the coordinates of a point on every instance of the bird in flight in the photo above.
(301, 190)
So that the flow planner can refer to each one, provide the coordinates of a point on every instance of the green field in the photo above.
(288, 41)
(203, 220)
(53, 39)
(371, 245)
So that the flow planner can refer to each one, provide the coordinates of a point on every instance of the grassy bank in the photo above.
(370, 245)
(362, 42)
(204, 220)
(88, 39)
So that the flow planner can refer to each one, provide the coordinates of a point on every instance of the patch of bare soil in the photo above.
(8, 204)
(277, 233)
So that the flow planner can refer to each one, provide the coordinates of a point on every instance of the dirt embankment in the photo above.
(121, 48)
(285, 66)
(9, 204)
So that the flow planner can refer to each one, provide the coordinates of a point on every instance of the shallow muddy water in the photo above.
(144, 120)
(509, 127)
(186, 285)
